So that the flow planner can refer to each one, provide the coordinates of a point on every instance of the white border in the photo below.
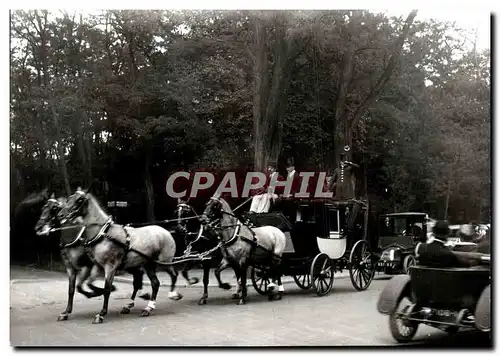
(448, 7)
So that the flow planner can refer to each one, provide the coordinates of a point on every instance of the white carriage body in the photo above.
(334, 244)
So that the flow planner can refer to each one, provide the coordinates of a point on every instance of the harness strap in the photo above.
(101, 232)
(77, 239)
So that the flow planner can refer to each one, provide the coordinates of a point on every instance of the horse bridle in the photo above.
(236, 227)
(80, 201)
(52, 212)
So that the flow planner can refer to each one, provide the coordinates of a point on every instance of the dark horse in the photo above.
(240, 242)
(115, 247)
(25, 216)
(199, 240)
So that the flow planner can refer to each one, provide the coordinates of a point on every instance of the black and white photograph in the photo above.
(251, 177)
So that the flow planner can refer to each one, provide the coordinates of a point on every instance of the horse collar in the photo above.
(101, 232)
(235, 235)
(77, 239)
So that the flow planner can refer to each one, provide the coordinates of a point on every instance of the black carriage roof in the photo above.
(410, 213)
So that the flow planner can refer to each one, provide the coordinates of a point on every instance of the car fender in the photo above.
(482, 314)
(392, 294)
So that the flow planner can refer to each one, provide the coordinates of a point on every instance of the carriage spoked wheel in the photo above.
(303, 281)
(361, 266)
(322, 274)
(260, 280)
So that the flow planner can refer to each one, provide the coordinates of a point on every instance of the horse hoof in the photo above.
(125, 310)
(145, 312)
(202, 301)
(176, 297)
(113, 288)
(145, 296)
(235, 296)
(62, 317)
(193, 280)
(242, 302)
(98, 319)
(225, 286)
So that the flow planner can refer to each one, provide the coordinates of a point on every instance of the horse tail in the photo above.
(279, 241)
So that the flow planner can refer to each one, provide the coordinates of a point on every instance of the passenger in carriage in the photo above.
(262, 199)
(293, 176)
(287, 205)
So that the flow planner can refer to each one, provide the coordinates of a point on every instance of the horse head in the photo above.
(76, 206)
(48, 218)
(214, 209)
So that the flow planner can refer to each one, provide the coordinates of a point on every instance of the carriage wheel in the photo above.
(303, 281)
(361, 266)
(260, 280)
(322, 274)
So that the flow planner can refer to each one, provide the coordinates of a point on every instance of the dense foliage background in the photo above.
(121, 99)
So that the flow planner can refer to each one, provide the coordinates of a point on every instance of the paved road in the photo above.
(343, 318)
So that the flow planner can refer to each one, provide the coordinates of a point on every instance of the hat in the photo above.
(290, 162)
(441, 228)
(272, 163)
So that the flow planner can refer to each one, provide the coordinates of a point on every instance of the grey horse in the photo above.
(240, 242)
(115, 247)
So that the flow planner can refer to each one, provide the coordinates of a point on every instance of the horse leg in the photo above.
(221, 267)
(84, 274)
(109, 275)
(72, 273)
(155, 286)
(243, 285)
(281, 289)
(276, 274)
(137, 283)
(94, 273)
(185, 274)
(237, 295)
(173, 294)
(206, 275)
(139, 276)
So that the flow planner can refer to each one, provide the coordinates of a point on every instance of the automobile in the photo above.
(398, 234)
(451, 299)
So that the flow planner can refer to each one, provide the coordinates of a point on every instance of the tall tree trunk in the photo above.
(149, 188)
(60, 148)
(260, 88)
(448, 194)
(270, 102)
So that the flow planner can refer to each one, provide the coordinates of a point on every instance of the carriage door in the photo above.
(332, 242)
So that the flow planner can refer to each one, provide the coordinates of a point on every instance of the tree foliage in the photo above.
(118, 100)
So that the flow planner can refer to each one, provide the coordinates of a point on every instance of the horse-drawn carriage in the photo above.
(398, 234)
(447, 298)
(324, 237)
